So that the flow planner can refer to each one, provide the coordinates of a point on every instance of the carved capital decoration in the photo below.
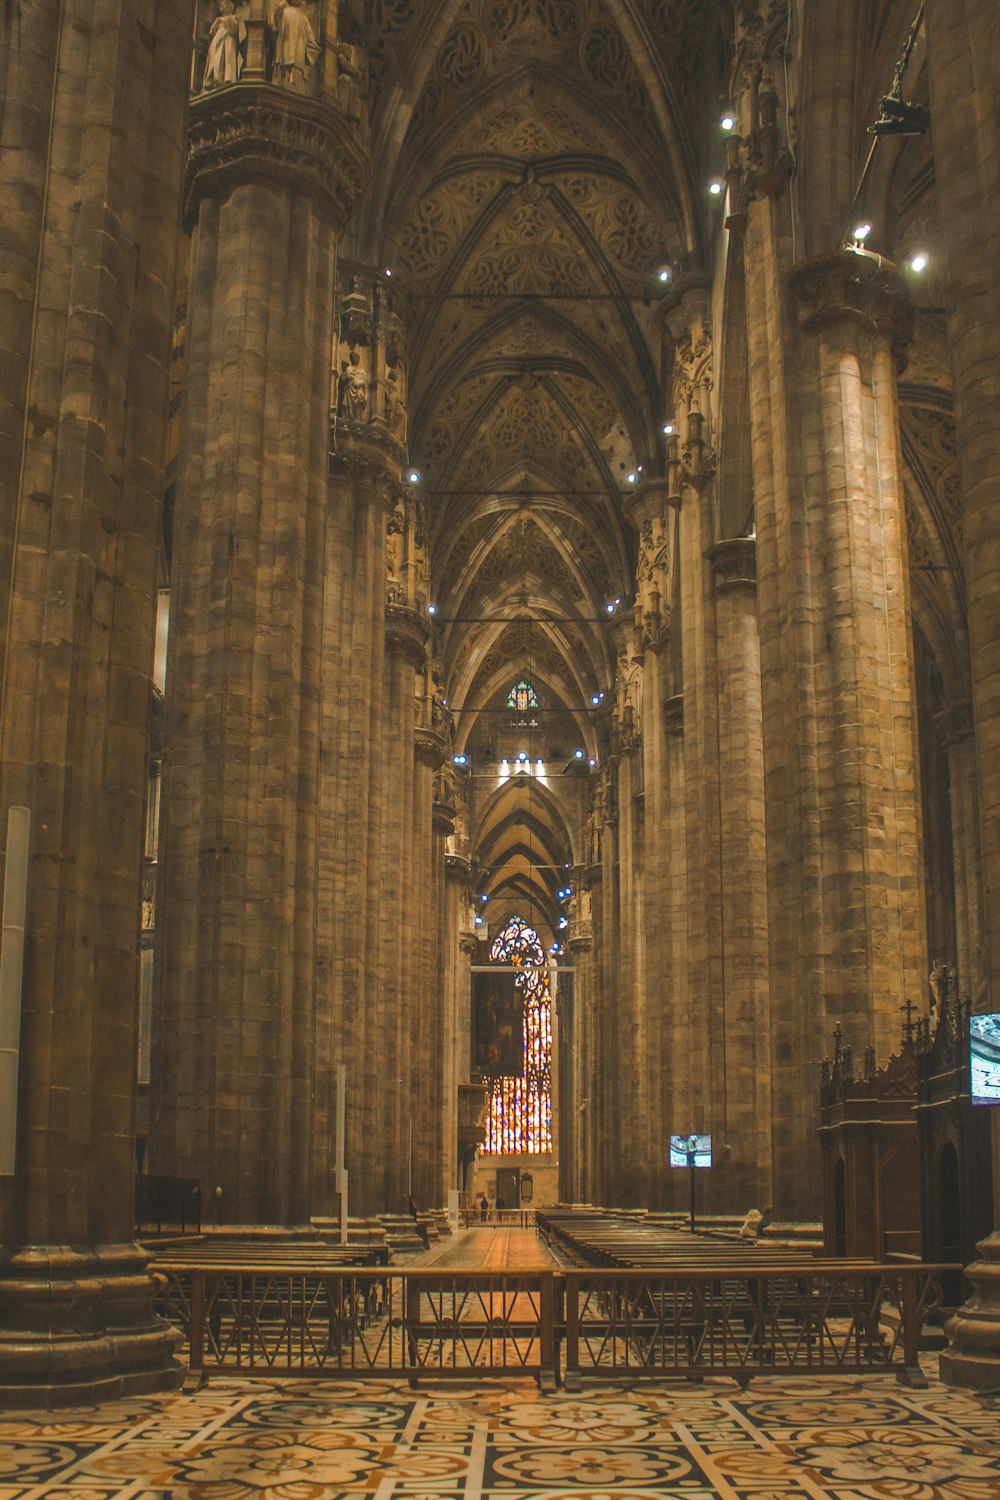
(458, 867)
(249, 132)
(406, 633)
(369, 481)
(428, 748)
(955, 723)
(673, 714)
(734, 564)
(856, 288)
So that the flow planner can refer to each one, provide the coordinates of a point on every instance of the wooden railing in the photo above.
(555, 1325)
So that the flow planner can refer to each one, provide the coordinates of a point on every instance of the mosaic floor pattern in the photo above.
(852, 1439)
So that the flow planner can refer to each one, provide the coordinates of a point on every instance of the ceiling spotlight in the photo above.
(593, 762)
(577, 755)
(503, 760)
(388, 271)
(414, 476)
(432, 609)
(728, 121)
(919, 262)
(716, 186)
(664, 273)
(862, 231)
(632, 477)
(610, 608)
(459, 760)
(484, 897)
(478, 921)
(595, 699)
(563, 923)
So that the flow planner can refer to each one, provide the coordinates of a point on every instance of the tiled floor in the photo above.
(849, 1439)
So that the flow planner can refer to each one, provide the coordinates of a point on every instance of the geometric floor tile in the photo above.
(859, 1438)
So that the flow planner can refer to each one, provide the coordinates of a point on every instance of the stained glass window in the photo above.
(522, 696)
(520, 1110)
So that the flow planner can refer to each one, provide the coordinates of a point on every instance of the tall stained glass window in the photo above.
(520, 1109)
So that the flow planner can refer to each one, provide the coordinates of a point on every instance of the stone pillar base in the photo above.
(77, 1327)
(973, 1359)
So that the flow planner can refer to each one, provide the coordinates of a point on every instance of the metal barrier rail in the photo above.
(502, 1218)
(553, 1325)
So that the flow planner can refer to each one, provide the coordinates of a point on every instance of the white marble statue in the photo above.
(296, 48)
(224, 61)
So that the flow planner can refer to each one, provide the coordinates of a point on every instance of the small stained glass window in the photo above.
(520, 1109)
(522, 696)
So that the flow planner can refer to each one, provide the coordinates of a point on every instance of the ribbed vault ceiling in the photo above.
(537, 163)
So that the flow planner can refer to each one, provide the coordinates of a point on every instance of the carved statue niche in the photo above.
(354, 346)
(352, 388)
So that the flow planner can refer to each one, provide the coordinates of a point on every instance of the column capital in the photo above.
(673, 714)
(406, 633)
(253, 132)
(458, 867)
(734, 564)
(647, 502)
(956, 723)
(849, 286)
(429, 748)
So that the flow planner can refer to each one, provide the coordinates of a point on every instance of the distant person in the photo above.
(766, 1220)
(484, 1208)
(750, 1228)
(413, 1209)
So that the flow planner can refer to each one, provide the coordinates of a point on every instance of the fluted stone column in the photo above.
(242, 1101)
(96, 90)
(963, 59)
(580, 1182)
(704, 1101)
(406, 634)
(847, 941)
(423, 976)
(955, 724)
(455, 948)
(743, 925)
(677, 1018)
(648, 512)
(349, 814)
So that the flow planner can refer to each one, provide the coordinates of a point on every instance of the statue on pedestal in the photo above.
(296, 49)
(224, 61)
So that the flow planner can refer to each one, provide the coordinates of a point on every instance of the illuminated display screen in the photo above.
(690, 1150)
(984, 1058)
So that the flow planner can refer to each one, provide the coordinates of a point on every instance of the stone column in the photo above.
(241, 1101)
(90, 170)
(349, 1028)
(677, 1020)
(746, 1150)
(455, 947)
(406, 635)
(423, 977)
(579, 1187)
(846, 932)
(592, 1106)
(958, 737)
(704, 1101)
(647, 509)
(963, 59)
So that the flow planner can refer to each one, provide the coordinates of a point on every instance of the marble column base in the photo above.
(973, 1358)
(77, 1327)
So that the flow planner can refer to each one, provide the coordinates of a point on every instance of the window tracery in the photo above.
(519, 1118)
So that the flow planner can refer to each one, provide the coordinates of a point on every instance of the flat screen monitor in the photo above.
(984, 1058)
(690, 1150)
